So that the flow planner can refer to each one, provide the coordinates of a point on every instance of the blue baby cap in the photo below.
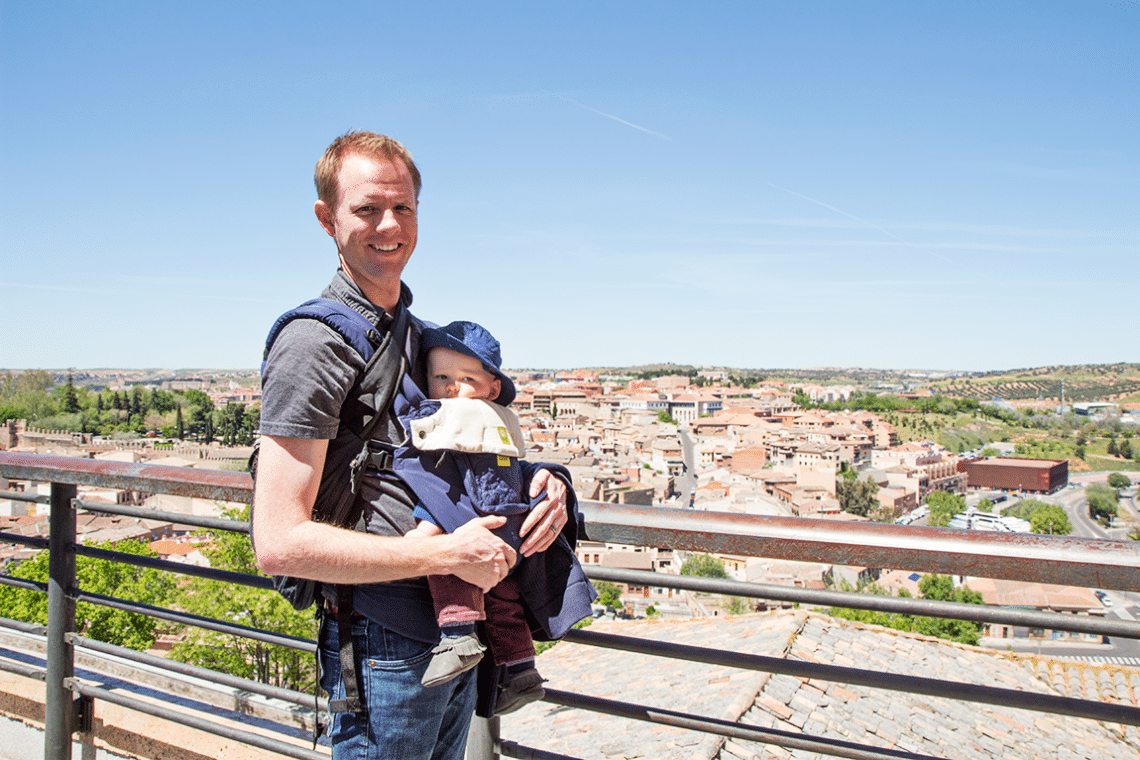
(474, 341)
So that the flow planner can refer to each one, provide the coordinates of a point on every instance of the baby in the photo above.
(473, 426)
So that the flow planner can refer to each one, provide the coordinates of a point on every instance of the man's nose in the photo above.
(387, 221)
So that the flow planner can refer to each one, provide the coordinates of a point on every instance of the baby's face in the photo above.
(455, 375)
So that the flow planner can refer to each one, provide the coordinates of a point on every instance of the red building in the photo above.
(1010, 474)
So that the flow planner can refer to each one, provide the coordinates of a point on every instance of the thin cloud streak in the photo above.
(611, 116)
(838, 211)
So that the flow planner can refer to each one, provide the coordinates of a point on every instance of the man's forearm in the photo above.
(290, 542)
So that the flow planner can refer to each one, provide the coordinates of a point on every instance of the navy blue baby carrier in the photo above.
(456, 486)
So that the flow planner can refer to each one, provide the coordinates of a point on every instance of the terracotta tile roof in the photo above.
(885, 719)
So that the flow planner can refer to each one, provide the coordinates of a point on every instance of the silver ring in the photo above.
(552, 530)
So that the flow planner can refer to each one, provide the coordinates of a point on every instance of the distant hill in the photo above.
(1082, 382)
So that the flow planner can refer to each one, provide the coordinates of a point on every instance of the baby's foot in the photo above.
(452, 656)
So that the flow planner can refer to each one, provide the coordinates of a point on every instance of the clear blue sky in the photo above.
(751, 184)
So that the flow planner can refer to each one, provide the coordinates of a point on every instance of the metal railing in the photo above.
(1022, 557)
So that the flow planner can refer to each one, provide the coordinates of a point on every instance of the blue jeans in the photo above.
(402, 719)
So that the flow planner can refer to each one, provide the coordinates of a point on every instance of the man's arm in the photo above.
(289, 542)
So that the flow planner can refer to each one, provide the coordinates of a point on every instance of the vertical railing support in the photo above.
(481, 739)
(59, 713)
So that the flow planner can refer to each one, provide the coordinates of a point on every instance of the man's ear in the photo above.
(325, 217)
(497, 387)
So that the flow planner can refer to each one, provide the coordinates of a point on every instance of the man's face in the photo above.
(455, 375)
(373, 222)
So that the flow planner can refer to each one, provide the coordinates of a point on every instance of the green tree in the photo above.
(1125, 450)
(231, 424)
(941, 588)
(609, 594)
(259, 608)
(704, 566)
(98, 576)
(985, 505)
(666, 418)
(943, 506)
(1118, 480)
(1102, 500)
(1049, 518)
(739, 605)
(856, 496)
(70, 397)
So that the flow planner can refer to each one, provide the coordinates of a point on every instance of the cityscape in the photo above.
(847, 446)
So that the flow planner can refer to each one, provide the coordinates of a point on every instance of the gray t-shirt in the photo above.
(306, 378)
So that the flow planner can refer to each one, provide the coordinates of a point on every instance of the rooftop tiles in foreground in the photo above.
(887, 719)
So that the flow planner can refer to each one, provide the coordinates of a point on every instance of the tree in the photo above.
(739, 605)
(231, 424)
(1102, 502)
(856, 497)
(1125, 450)
(1118, 480)
(985, 505)
(609, 595)
(259, 608)
(941, 588)
(936, 587)
(704, 566)
(98, 576)
(1051, 519)
(943, 506)
(70, 397)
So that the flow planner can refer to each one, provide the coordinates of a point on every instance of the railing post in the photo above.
(481, 739)
(59, 714)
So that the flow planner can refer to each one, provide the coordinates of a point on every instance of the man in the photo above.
(368, 195)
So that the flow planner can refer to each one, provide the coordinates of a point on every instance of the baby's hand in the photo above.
(424, 529)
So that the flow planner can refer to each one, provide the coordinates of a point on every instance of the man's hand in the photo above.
(544, 522)
(483, 558)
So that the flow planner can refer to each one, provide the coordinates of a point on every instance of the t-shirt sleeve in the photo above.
(306, 378)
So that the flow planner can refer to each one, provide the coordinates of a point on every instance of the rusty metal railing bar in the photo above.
(980, 613)
(182, 668)
(1062, 560)
(185, 618)
(806, 742)
(187, 719)
(180, 518)
(218, 485)
(933, 687)
(226, 576)
(1090, 563)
